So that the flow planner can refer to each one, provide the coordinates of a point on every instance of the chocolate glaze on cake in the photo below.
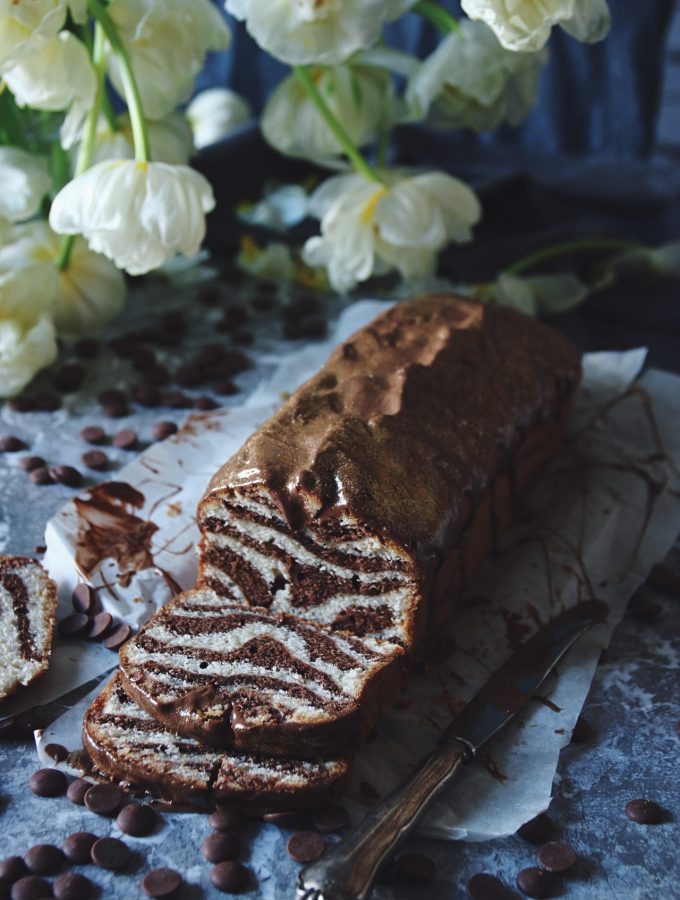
(369, 500)
(258, 681)
(127, 745)
(28, 601)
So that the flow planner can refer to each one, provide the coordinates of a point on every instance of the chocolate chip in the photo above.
(225, 818)
(146, 395)
(306, 846)
(47, 402)
(330, 818)
(31, 888)
(172, 322)
(9, 443)
(125, 439)
(557, 856)
(284, 818)
(86, 348)
(309, 327)
(76, 792)
(536, 882)
(110, 853)
(161, 882)
(41, 476)
(69, 377)
(645, 812)
(538, 829)
(116, 410)
(43, 859)
(93, 434)
(225, 387)
(209, 295)
(163, 430)
(158, 375)
(220, 846)
(205, 404)
(83, 598)
(583, 731)
(77, 847)
(415, 867)
(230, 877)
(57, 752)
(72, 886)
(12, 869)
(30, 463)
(103, 799)
(67, 475)
(143, 359)
(100, 625)
(21, 404)
(117, 638)
(233, 317)
(112, 395)
(483, 886)
(124, 345)
(136, 820)
(188, 375)
(96, 460)
(48, 783)
(176, 400)
(74, 625)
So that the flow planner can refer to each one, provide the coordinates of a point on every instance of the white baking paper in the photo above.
(594, 525)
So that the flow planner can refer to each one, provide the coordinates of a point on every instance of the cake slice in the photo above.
(28, 602)
(130, 747)
(370, 499)
(258, 681)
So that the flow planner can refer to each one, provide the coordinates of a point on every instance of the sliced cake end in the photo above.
(130, 747)
(28, 602)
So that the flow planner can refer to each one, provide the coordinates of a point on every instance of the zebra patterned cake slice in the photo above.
(129, 746)
(258, 681)
(28, 601)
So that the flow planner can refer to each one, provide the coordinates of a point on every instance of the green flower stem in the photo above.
(132, 97)
(89, 135)
(349, 148)
(436, 15)
(579, 246)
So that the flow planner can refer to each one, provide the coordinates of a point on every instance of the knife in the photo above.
(347, 870)
(43, 714)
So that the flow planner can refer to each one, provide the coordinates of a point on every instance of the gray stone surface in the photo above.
(633, 706)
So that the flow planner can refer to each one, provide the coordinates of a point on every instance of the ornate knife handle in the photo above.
(347, 869)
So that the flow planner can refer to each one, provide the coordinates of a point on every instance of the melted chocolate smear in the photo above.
(109, 529)
(491, 767)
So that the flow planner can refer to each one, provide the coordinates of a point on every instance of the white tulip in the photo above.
(525, 25)
(137, 214)
(58, 76)
(537, 294)
(24, 24)
(272, 263)
(361, 98)
(215, 113)
(472, 81)
(24, 351)
(170, 140)
(664, 260)
(25, 181)
(28, 276)
(368, 228)
(281, 209)
(315, 31)
(167, 41)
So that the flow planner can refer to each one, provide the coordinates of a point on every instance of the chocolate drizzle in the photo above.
(108, 529)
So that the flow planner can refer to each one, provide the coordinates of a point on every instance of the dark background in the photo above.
(598, 156)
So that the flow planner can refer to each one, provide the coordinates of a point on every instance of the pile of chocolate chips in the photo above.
(88, 620)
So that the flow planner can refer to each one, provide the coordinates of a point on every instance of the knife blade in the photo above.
(43, 714)
(347, 869)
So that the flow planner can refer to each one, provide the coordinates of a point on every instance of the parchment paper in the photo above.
(599, 518)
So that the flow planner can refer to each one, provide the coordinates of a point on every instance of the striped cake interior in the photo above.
(125, 741)
(334, 574)
(27, 607)
(217, 670)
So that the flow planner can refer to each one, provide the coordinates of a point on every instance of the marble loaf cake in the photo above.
(28, 602)
(129, 746)
(255, 680)
(369, 500)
